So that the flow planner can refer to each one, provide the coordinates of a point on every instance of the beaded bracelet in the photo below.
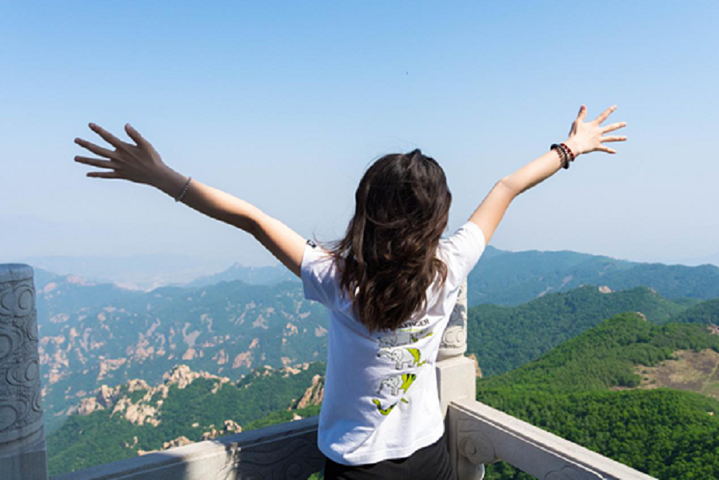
(572, 156)
(184, 189)
(567, 157)
(563, 155)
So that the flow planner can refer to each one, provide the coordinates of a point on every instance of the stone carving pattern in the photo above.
(294, 458)
(454, 339)
(20, 410)
(568, 472)
(473, 444)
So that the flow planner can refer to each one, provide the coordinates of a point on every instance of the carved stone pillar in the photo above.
(22, 437)
(456, 379)
(454, 340)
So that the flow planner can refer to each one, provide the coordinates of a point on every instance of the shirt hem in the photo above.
(387, 454)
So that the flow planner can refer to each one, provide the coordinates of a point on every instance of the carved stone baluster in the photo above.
(22, 437)
(456, 379)
(454, 340)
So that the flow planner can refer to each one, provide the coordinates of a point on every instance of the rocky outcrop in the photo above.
(314, 394)
(230, 427)
(140, 410)
(182, 376)
(177, 442)
(477, 370)
(137, 413)
(105, 398)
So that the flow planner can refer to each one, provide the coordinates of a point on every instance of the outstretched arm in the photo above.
(583, 138)
(140, 163)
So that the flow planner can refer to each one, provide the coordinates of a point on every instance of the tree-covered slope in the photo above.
(187, 407)
(504, 338)
(705, 312)
(585, 391)
(668, 434)
(604, 356)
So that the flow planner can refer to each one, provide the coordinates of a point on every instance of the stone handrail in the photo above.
(478, 434)
(483, 435)
(287, 451)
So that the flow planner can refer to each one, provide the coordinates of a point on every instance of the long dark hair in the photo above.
(387, 258)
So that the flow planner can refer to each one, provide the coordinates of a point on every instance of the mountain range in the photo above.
(94, 334)
(622, 388)
(501, 277)
(96, 337)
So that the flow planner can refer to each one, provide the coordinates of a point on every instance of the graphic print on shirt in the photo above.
(410, 357)
(385, 411)
(403, 338)
(392, 347)
(397, 383)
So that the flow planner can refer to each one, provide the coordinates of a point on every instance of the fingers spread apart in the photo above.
(612, 139)
(582, 113)
(96, 149)
(109, 137)
(605, 114)
(614, 126)
(97, 162)
(104, 174)
(602, 148)
(135, 135)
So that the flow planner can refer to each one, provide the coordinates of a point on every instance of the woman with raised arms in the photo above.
(389, 284)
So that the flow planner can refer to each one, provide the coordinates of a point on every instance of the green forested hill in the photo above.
(666, 433)
(138, 417)
(511, 278)
(504, 338)
(603, 356)
(704, 312)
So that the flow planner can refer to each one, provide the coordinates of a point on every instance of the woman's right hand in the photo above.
(585, 137)
(138, 163)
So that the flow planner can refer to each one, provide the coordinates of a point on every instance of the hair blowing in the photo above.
(387, 258)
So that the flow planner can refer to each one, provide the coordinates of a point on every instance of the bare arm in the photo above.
(583, 138)
(141, 163)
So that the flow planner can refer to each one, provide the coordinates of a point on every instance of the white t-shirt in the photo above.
(381, 399)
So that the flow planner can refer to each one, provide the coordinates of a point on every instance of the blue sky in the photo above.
(285, 104)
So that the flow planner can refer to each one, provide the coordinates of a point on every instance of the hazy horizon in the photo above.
(285, 105)
(147, 271)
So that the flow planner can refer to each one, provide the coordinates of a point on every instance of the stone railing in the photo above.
(478, 434)
(287, 451)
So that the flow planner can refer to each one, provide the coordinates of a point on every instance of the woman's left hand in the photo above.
(139, 163)
(586, 137)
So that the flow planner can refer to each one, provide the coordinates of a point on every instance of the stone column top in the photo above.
(14, 272)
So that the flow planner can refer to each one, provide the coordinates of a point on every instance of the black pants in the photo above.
(431, 463)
